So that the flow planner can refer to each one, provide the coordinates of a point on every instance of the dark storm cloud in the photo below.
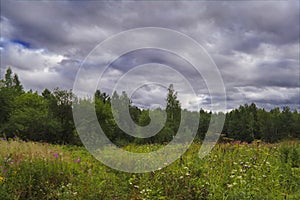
(255, 44)
(249, 24)
(64, 27)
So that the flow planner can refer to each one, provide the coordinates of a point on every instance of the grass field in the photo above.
(31, 170)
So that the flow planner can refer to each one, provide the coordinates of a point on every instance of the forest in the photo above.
(42, 156)
(47, 117)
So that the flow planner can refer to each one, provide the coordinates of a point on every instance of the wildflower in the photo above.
(55, 155)
(181, 177)
(78, 160)
(246, 166)
(1, 179)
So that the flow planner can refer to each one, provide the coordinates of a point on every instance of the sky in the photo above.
(254, 44)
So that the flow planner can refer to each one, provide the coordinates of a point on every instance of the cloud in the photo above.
(29, 59)
(256, 50)
(37, 68)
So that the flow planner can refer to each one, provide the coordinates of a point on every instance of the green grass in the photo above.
(31, 170)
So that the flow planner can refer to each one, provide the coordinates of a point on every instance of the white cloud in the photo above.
(269, 93)
(29, 59)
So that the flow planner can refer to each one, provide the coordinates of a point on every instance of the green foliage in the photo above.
(231, 171)
(29, 117)
(10, 88)
(173, 109)
(296, 124)
(241, 124)
(48, 117)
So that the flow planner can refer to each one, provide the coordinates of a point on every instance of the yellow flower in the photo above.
(1, 179)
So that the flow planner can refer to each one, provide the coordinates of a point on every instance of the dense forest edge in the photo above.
(47, 117)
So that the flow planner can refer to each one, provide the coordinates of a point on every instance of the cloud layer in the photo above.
(255, 45)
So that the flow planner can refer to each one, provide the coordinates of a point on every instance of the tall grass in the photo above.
(31, 170)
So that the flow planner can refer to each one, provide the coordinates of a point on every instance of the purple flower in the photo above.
(77, 161)
(55, 155)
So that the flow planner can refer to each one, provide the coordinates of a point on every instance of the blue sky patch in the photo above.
(21, 42)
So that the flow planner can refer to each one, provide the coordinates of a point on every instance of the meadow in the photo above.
(31, 170)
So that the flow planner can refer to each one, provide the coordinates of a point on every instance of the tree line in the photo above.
(48, 117)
